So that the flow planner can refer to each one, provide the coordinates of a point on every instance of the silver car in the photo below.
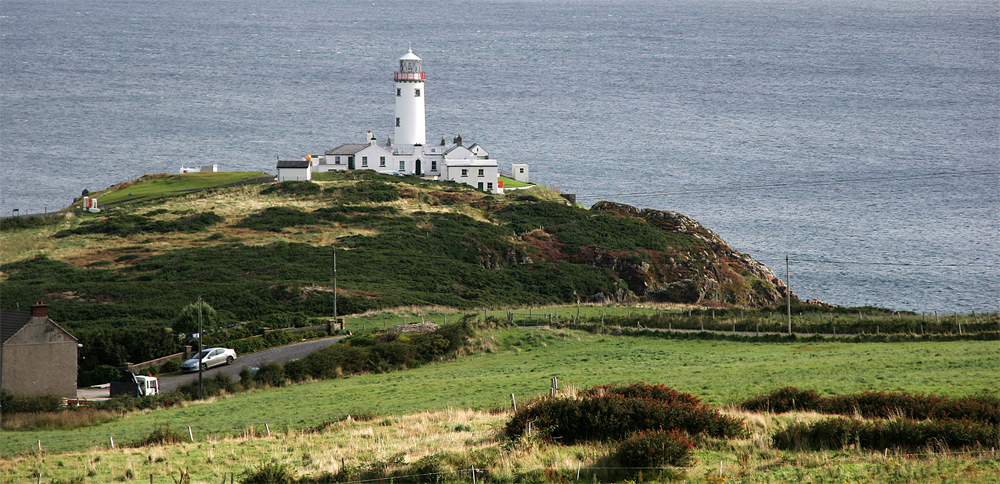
(208, 358)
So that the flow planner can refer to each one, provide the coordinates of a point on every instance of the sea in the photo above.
(856, 138)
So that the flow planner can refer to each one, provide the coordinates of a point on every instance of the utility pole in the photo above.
(336, 322)
(201, 396)
(788, 294)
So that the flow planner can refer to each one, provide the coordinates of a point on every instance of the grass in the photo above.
(512, 183)
(155, 186)
(457, 439)
(522, 362)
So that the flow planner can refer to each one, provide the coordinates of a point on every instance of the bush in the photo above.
(268, 473)
(295, 188)
(654, 448)
(784, 399)
(14, 403)
(611, 417)
(161, 436)
(984, 408)
(171, 366)
(838, 433)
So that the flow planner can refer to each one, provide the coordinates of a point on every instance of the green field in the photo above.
(512, 183)
(148, 188)
(524, 361)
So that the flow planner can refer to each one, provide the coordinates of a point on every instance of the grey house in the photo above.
(37, 356)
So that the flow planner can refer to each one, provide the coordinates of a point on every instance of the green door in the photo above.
(480, 185)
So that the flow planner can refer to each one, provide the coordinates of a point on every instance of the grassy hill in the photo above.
(262, 254)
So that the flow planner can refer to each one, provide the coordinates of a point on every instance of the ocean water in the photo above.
(859, 138)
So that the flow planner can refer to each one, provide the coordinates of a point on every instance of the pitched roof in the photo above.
(347, 149)
(293, 163)
(11, 322)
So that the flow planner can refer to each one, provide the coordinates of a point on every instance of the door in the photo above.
(350, 162)
(480, 185)
(418, 172)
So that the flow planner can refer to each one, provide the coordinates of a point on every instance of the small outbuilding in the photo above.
(37, 356)
(294, 170)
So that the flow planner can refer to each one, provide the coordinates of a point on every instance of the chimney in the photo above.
(458, 140)
(388, 140)
(442, 140)
(39, 310)
(370, 138)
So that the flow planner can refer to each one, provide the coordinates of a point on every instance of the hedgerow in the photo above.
(983, 408)
(837, 433)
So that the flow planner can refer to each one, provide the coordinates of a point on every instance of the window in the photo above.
(489, 186)
(465, 172)
(522, 170)
(434, 165)
(399, 92)
(364, 161)
(397, 122)
(402, 166)
(336, 160)
(381, 161)
(481, 172)
(416, 93)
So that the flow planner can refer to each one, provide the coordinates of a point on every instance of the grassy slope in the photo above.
(157, 186)
(720, 372)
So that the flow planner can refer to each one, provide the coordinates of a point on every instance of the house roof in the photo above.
(348, 149)
(293, 163)
(11, 322)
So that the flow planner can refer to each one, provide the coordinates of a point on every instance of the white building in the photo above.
(294, 170)
(407, 153)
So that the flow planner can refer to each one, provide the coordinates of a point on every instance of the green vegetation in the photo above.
(512, 183)
(523, 361)
(157, 186)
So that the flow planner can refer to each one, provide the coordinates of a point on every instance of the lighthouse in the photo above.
(410, 129)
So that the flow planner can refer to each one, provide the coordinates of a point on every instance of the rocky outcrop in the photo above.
(710, 271)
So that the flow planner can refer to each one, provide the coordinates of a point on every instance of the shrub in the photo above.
(785, 399)
(268, 473)
(170, 366)
(838, 433)
(8, 224)
(14, 403)
(984, 408)
(295, 188)
(612, 417)
(160, 436)
(654, 448)
(660, 393)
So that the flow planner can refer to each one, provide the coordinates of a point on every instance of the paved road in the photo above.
(280, 354)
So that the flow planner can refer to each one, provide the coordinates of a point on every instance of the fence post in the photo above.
(190, 433)
(112, 441)
(268, 428)
(513, 403)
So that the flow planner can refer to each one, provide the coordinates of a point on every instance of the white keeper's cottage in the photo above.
(407, 152)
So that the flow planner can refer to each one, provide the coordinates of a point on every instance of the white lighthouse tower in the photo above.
(410, 129)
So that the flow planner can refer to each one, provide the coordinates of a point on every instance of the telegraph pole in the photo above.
(201, 396)
(788, 295)
(335, 320)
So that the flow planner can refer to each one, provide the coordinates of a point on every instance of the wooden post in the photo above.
(112, 441)
(513, 403)
(190, 433)
(268, 428)
(555, 386)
